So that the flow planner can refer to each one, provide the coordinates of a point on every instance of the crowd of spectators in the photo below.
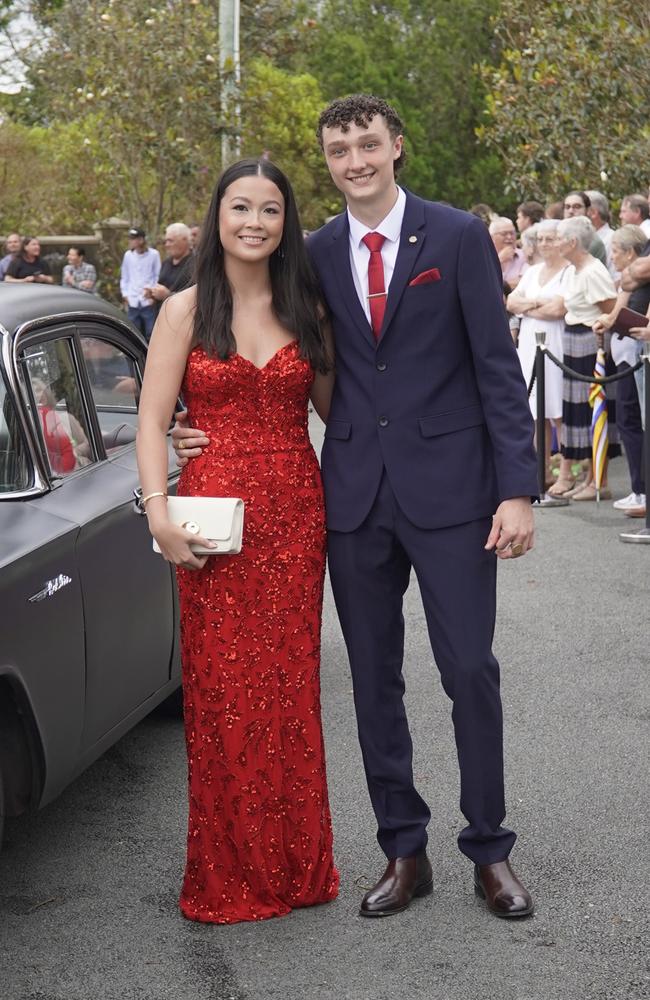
(566, 271)
(145, 282)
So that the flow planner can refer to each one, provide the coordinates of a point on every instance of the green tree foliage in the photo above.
(55, 179)
(280, 113)
(422, 56)
(124, 101)
(147, 78)
(568, 104)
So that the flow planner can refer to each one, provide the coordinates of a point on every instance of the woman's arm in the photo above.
(170, 346)
(606, 320)
(551, 309)
(323, 384)
(518, 304)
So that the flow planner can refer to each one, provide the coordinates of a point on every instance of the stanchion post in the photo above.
(540, 376)
(643, 536)
(545, 500)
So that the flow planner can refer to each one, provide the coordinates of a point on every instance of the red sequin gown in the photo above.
(259, 832)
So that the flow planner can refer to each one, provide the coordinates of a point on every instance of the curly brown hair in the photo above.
(361, 109)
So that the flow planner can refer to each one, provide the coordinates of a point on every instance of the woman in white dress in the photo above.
(539, 300)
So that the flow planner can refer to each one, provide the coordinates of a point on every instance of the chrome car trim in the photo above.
(41, 484)
(51, 588)
(76, 317)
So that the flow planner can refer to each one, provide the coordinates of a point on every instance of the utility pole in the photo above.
(230, 77)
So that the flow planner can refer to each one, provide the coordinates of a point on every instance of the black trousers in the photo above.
(370, 570)
(630, 428)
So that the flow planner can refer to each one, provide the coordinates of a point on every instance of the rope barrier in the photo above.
(539, 375)
(591, 379)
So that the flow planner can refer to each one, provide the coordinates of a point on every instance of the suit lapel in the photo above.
(411, 241)
(339, 251)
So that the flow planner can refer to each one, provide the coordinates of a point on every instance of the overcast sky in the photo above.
(11, 74)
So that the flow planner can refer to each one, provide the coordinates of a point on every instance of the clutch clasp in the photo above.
(192, 527)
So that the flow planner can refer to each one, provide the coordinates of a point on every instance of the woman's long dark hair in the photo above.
(297, 301)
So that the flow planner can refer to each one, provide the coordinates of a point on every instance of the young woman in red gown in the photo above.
(246, 347)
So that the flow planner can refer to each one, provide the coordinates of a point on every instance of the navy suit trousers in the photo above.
(370, 570)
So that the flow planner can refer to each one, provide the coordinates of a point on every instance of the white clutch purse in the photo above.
(221, 519)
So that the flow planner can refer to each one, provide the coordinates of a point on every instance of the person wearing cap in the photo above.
(140, 270)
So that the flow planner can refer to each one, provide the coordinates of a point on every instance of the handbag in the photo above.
(221, 519)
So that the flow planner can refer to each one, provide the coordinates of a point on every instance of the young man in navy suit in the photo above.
(428, 464)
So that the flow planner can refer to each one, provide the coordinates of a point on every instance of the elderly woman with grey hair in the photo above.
(529, 247)
(538, 299)
(628, 244)
(589, 291)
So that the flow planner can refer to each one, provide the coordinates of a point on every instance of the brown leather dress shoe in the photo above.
(403, 880)
(504, 894)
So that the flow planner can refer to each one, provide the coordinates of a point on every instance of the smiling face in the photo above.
(503, 234)
(32, 249)
(361, 159)
(251, 218)
(548, 246)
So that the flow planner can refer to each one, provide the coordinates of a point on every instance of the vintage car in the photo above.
(88, 612)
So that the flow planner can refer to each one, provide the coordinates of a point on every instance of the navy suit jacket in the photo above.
(439, 401)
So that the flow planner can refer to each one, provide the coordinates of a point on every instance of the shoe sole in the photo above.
(422, 890)
(498, 913)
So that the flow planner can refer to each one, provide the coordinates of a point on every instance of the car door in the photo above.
(93, 372)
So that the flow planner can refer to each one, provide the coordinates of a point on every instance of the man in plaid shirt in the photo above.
(77, 273)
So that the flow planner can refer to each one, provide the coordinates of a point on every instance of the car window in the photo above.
(61, 420)
(14, 465)
(115, 385)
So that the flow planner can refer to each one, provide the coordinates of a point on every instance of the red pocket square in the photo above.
(426, 277)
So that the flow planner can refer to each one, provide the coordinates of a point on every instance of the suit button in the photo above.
(383, 421)
(381, 366)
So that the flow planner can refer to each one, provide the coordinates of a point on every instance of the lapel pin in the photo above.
(413, 239)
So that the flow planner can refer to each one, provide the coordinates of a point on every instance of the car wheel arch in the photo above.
(22, 759)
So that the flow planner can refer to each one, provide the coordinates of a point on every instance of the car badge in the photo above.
(51, 588)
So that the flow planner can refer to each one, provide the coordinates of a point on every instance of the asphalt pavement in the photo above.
(89, 886)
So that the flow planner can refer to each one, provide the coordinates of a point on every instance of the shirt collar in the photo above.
(390, 227)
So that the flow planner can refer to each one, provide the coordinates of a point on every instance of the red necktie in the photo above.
(376, 290)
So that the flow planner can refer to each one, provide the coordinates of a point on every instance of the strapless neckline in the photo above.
(261, 368)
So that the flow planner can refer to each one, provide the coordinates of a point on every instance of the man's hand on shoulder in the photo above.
(188, 442)
(513, 529)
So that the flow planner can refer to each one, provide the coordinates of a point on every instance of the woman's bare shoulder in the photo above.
(178, 309)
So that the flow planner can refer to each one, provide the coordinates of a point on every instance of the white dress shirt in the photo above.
(390, 227)
(139, 270)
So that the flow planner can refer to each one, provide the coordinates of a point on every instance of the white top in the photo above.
(625, 349)
(645, 226)
(530, 286)
(391, 228)
(605, 233)
(584, 288)
(139, 270)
